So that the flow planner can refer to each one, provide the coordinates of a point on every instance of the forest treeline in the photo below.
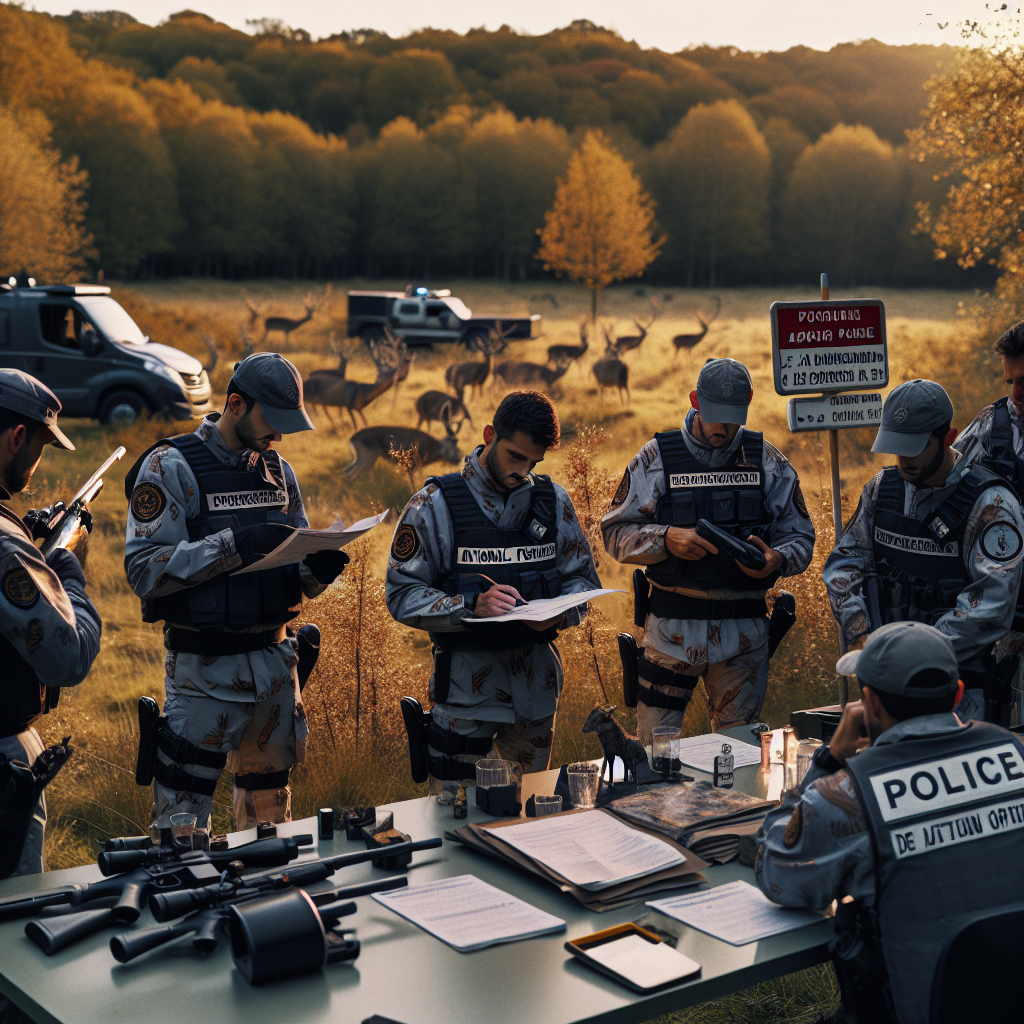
(194, 148)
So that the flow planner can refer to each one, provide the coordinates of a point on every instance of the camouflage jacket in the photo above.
(973, 441)
(632, 535)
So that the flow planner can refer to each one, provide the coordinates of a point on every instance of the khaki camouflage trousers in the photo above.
(266, 736)
(735, 690)
(526, 743)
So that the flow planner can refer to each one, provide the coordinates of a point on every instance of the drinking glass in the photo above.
(182, 827)
(545, 805)
(804, 752)
(584, 780)
(492, 771)
(663, 739)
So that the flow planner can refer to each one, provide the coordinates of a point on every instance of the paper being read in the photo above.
(700, 751)
(591, 849)
(543, 608)
(303, 541)
(467, 913)
(737, 913)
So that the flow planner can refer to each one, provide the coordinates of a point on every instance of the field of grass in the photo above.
(357, 752)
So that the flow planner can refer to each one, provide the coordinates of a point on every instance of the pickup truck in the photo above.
(91, 354)
(420, 317)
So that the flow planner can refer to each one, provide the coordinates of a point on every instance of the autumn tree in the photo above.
(41, 208)
(600, 228)
(974, 125)
(414, 83)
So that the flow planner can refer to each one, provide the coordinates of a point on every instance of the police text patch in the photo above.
(1001, 541)
(148, 501)
(949, 782)
(920, 545)
(405, 544)
(722, 478)
(492, 556)
(246, 499)
(938, 833)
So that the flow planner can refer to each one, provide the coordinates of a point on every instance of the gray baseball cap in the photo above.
(724, 391)
(21, 393)
(897, 652)
(910, 414)
(276, 385)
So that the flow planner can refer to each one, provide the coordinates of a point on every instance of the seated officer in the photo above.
(903, 827)
(935, 539)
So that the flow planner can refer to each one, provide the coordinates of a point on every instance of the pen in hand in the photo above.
(519, 600)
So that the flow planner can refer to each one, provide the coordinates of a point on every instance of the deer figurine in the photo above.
(438, 405)
(611, 371)
(569, 353)
(460, 376)
(286, 325)
(371, 443)
(688, 341)
(615, 742)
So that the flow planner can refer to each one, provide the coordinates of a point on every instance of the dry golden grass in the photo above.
(357, 748)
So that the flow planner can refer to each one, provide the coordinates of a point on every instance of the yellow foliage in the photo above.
(600, 227)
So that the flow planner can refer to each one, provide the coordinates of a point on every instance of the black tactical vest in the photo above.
(524, 558)
(730, 496)
(921, 564)
(22, 696)
(227, 498)
(946, 818)
(1000, 457)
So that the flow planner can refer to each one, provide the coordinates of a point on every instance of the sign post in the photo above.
(833, 347)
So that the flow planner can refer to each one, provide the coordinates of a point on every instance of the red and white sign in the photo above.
(829, 346)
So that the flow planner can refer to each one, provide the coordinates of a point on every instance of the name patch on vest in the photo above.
(495, 556)
(949, 782)
(938, 833)
(721, 478)
(246, 499)
(918, 545)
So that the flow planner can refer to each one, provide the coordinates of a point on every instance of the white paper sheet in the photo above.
(700, 751)
(304, 542)
(737, 913)
(646, 964)
(468, 913)
(543, 608)
(591, 849)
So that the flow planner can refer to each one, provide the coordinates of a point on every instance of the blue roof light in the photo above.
(421, 291)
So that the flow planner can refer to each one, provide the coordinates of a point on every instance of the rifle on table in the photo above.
(207, 908)
(73, 912)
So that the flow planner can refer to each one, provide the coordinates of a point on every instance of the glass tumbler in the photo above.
(584, 780)
(182, 827)
(804, 752)
(545, 805)
(663, 739)
(492, 771)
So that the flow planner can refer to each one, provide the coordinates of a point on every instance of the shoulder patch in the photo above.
(406, 543)
(794, 828)
(19, 588)
(621, 491)
(148, 502)
(798, 501)
(1001, 541)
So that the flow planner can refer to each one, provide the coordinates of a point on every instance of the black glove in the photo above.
(326, 566)
(252, 542)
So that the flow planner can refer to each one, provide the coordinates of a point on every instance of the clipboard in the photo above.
(686, 969)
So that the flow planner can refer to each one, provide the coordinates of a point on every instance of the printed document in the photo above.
(303, 541)
(645, 964)
(543, 608)
(700, 751)
(590, 849)
(737, 913)
(469, 914)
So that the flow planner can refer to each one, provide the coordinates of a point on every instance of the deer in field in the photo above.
(460, 376)
(332, 372)
(688, 341)
(628, 342)
(312, 305)
(211, 347)
(440, 406)
(531, 373)
(372, 443)
(611, 371)
(569, 353)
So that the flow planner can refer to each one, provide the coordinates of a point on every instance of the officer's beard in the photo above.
(247, 435)
(501, 481)
(18, 472)
(931, 469)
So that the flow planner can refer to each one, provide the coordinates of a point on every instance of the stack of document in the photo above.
(606, 863)
(707, 820)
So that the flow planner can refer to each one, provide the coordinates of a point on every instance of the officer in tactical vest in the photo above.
(935, 539)
(475, 543)
(702, 612)
(924, 827)
(201, 506)
(49, 628)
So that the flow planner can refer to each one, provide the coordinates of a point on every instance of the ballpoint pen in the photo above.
(520, 601)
